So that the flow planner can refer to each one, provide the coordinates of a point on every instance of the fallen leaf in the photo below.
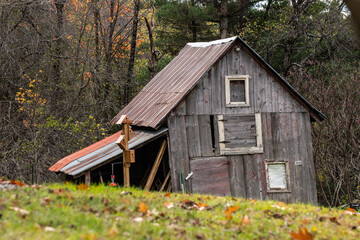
(245, 220)
(188, 204)
(230, 210)
(18, 183)
(20, 210)
(281, 204)
(202, 206)
(303, 234)
(305, 221)
(138, 219)
(167, 195)
(49, 229)
(169, 205)
(82, 187)
(142, 207)
(58, 191)
(45, 201)
(334, 220)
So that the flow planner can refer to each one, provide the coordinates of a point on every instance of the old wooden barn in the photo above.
(232, 125)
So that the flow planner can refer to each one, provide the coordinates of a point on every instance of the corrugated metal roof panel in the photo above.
(168, 87)
(152, 104)
(102, 151)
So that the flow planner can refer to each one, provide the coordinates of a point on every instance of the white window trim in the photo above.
(287, 172)
(241, 150)
(227, 91)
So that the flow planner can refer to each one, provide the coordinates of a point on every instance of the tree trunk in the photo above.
(153, 53)
(224, 21)
(132, 51)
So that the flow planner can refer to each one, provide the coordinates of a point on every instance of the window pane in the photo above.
(237, 90)
(277, 176)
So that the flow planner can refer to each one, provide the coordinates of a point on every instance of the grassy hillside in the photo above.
(77, 212)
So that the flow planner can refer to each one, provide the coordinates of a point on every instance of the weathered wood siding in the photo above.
(194, 137)
(265, 92)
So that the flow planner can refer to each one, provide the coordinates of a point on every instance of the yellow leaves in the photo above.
(303, 234)
(143, 208)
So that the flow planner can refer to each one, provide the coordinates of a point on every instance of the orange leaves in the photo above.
(167, 195)
(143, 208)
(246, 220)
(303, 234)
(82, 187)
(18, 183)
(230, 210)
(188, 204)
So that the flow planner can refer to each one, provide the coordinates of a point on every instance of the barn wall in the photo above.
(193, 132)
(266, 94)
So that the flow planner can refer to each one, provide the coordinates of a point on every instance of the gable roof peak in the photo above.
(207, 44)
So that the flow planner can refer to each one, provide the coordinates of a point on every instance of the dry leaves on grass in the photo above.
(143, 208)
(22, 212)
(188, 204)
(245, 220)
(82, 187)
(303, 234)
(45, 201)
(230, 210)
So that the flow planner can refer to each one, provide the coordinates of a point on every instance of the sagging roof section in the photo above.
(155, 101)
(101, 152)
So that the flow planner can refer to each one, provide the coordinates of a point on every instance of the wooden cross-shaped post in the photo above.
(123, 142)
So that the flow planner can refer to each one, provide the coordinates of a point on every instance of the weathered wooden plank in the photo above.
(87, 178)
(237, 176)
(180, 109)
(193, 136)
(251, 177)
(199, 163)
(216, 90)
(211, 175)
(174, 159)
(191, 101)
(183, 147)
(206, 86)
(205, 136)
(312, 197)
(216, 134)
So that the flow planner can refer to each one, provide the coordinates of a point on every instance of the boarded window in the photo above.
(240, 134)
(237, 90)
(277, 176)
(210, 175)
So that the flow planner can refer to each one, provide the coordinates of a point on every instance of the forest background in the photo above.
(68, 66)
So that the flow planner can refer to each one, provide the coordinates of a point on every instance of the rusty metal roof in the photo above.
(153, 103)
(169, 86)
(101, 152)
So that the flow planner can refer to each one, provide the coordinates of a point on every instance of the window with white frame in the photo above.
(277, 176)
(240, 134)
(237, 91)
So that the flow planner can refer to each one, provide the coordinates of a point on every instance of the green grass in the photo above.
(60, 211)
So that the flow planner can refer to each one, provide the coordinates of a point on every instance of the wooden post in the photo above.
(87, 178)
(123, 143)
(155, 166)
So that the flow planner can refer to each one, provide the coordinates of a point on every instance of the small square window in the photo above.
(237, 91)
(277, 176)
